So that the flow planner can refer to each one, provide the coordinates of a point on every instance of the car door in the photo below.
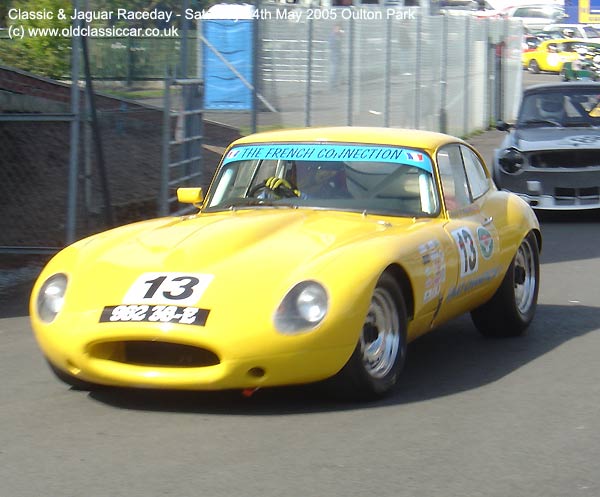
(473, 266)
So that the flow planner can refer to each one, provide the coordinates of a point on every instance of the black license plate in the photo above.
(133, 313)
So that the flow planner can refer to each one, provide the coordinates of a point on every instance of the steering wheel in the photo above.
(281, 191)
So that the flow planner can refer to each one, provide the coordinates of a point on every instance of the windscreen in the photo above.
(365, 178)
(564, 107)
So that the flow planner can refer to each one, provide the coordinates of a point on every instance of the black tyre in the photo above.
(511, 309)
(374, 368)
(533, 66)
(563, 75)
(74, 382)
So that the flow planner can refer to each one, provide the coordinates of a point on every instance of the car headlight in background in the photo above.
(511, 160)
(303, 308)
(51, 298)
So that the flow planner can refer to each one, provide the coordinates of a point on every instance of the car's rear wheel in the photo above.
(563, 75)
(71, 380)
(375, 365)
(511, 309)
(534, 66)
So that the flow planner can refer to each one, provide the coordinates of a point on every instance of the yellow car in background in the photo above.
(550, 55)
(316, 254)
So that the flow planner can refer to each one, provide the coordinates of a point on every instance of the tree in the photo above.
(46, 55)
(50, 55)
(4, 13)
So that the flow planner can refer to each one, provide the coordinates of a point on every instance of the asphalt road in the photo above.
(473, 418)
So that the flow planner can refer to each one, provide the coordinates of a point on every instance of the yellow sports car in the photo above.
(550, 55)
(316, 254)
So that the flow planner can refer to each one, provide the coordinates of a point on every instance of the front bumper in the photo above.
(297, 367)
(184, 357)
(555, 190)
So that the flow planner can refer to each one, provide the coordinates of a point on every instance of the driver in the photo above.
(314, 181)
(324, 180)
(283, 186)
(551, 107)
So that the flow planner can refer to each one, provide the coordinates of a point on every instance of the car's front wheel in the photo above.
(534, 66)
(375, 365)
(511, 309)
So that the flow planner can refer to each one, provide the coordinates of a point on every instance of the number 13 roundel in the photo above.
(467, 251)
(168, 288)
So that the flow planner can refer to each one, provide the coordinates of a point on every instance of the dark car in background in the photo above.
(551, 155)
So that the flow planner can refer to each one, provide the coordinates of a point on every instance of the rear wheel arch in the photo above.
(538, 238)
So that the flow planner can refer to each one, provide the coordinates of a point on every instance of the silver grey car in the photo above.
(551, 155)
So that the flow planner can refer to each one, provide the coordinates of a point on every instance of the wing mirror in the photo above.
(190, 195)
(503, 126)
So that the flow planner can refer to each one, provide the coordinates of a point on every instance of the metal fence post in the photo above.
(486, 62)
(350, 71)
(444, 77)
(74, 138)
(418, 56)
(255, 67)
(466, 78)
(163, 203)
(388, 73)
(309, 73)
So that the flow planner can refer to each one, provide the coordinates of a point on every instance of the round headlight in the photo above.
(303, 308)
(51, 298)
(312, 303)
(511, 160)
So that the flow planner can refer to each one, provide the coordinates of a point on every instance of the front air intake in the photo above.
(155, 354)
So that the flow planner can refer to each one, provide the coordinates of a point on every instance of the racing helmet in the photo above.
(569, 33)
(551, 106)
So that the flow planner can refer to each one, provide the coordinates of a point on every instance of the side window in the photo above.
(452, 175)
(478, 180)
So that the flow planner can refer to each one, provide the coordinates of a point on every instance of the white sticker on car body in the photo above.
(168, 288)
(467, 251)
(433, 259)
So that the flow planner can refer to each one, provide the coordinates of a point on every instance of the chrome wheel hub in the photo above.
(380, 338)
(525, 277)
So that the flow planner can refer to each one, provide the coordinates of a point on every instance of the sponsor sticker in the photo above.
(486, 242)
(328, 152)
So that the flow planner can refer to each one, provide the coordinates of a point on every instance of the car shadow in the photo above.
(450, 360)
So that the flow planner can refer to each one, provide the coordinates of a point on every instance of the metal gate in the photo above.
(182, 143)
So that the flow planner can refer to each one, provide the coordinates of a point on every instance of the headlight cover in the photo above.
(303, 308)
(511, 160)
(51, 298)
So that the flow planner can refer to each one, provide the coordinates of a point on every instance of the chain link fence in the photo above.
(453, 74)
(131, 60)
(34, 157)
(433, 72)
(35, 148)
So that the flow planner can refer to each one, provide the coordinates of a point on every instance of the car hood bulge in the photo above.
(248, 250)
(530, 139)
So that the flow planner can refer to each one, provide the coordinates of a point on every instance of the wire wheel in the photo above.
(380, 338)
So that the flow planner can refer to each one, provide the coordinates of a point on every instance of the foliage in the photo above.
(51, 55)
(45, 55)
